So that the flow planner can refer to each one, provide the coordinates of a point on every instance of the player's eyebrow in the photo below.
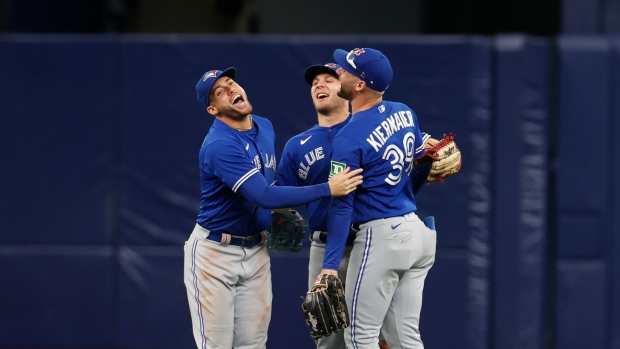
(219, 84)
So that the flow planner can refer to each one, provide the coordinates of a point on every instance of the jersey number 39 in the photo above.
(401, 159)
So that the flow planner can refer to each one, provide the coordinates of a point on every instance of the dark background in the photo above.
(99, 130)
(487, 17)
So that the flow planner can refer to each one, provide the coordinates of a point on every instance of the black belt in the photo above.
(350, 237)
(242, 241)
(356, 226)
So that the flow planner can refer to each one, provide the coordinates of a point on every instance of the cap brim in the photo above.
(340, 56)
(314, 70)
(230, 72)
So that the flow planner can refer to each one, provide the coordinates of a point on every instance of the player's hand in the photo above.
(430, 143)
(324, 271)
(345, 182)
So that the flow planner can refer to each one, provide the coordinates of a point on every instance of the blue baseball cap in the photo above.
(314, 70)
(368, 64)
(203, 87)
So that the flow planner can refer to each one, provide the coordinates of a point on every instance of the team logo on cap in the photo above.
(211, 74)
(331, 65)
(358, 51)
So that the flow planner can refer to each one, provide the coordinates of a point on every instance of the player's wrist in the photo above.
(328, 271)
(324, 190)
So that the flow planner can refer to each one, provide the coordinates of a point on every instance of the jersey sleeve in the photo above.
(420, 141)
(227, 160)
(346, 153)
(287, 169)
(425, 137)
(419, 174)
(230, 164)
(257, 190)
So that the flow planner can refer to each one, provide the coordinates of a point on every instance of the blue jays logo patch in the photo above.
(211, 74)
(358, 51)
(331, 65)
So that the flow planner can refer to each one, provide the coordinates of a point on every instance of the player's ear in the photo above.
(212, 110)
(360, 85)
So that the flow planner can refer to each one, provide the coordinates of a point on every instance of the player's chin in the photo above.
(243, 109)
(320, 101)
(324, 108)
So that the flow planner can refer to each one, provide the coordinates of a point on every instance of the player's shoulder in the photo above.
(265, 126)
(351, 133)
(393, 106)
(358, 121)
(219, 138)
(262, 121)
(219, 147)
(391, 109)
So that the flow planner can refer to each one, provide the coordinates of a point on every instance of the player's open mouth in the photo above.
(238, 99)
(322, 95)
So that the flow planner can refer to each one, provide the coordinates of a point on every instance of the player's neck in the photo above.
(243, 124)
(332, 119)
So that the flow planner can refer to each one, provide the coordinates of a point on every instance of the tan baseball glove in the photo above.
(444, 159)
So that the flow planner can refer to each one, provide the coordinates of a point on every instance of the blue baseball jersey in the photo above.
(227, 159)
(236, 171)
(306, 161)
(383, 140)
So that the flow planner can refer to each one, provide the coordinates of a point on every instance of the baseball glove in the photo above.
(444, 159)
(286, 231)
(325, 309)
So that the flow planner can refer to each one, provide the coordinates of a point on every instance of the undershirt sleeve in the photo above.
(228, 162)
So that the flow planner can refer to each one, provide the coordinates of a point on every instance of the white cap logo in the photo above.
(210, 74)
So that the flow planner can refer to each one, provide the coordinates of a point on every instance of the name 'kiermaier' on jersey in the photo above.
(383, 140)
(390, 126)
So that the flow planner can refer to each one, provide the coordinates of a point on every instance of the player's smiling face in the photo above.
(229, 98)
(324, 93)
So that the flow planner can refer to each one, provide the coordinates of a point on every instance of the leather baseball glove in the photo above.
(444, 159)
(286, 231)
(325, 307)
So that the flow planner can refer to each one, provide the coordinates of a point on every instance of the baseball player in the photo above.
(227, 267)
(306, 161)
(393, 249)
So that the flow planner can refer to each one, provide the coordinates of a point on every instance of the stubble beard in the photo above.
(236, 115)
(342, 93)
(326, 109)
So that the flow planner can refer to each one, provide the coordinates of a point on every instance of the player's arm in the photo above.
(420, 140)
(286, 174)
(338, 224)
(428, 141)
(228, 162)
(420, 173)
(341, 209)
(256, 189)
